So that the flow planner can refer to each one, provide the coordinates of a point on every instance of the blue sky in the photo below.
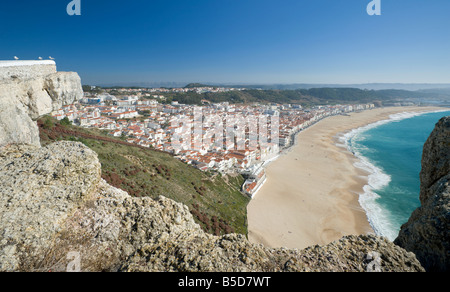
(234, 41)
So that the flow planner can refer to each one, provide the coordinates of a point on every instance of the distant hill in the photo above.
(309, 97)
(313, 94)
(292, 86)
(194, 85)
(368, 86)
(443, 91)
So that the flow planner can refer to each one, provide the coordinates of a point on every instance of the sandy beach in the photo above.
(312, 191)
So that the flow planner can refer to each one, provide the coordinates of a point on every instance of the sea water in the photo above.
(391, 151)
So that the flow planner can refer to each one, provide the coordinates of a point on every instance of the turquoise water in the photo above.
(391, 151)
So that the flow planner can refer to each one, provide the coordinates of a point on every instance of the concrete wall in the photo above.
(26, 69)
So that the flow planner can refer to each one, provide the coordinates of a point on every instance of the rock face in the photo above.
(40, 188)
(24, 99)
(57, 214)
(26, 69)
(53, 203)
(427, 232)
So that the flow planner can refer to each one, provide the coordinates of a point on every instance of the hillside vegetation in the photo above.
(215, 201)
(305, 97)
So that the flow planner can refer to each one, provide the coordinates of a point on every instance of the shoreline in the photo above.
(311, 194)
(377, 177)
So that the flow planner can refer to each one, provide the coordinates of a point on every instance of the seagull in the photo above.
(40, 58)
(50, 57)
(15, 58)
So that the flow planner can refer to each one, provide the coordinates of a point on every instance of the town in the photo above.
(217, 137)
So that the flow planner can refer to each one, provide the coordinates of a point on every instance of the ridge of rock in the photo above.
(427, 232)
(24, 100)
(54, 202)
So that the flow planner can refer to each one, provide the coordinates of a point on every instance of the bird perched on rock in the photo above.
(15, 58)
(40, 58)
(50, 57)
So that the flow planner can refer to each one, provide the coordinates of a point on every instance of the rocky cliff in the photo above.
(23, 99)
(427, 233)
(54, 205)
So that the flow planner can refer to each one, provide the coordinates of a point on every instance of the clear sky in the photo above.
(234, 41)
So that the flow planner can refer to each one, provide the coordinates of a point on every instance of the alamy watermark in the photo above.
(229, 131)
(374, 7)
(375, 262)
(75, 264)
(74, 7)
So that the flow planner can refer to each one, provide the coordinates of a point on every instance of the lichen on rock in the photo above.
(54, 202)
(24, 100)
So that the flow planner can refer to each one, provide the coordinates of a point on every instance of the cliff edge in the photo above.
(29, 90)
(427, 232)
(54, 206)
(53, 203)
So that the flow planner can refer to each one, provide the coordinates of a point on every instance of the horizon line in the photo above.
(180, 83)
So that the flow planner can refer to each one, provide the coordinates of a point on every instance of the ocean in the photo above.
(391, 150)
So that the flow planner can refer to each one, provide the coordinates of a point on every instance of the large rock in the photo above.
(57, 213)
(234, 253)
(435, 159)
(427, 232)
(54, 205)
(24, 100)
(16, 126)
(39, 189)
(63, 88)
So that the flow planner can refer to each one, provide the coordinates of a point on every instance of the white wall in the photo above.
(26, 69)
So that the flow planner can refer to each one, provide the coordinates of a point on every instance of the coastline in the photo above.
(312, 191)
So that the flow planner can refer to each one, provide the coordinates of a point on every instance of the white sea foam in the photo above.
(379, 218)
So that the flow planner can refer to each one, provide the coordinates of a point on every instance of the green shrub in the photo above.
(65, 122)
(48, 124)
